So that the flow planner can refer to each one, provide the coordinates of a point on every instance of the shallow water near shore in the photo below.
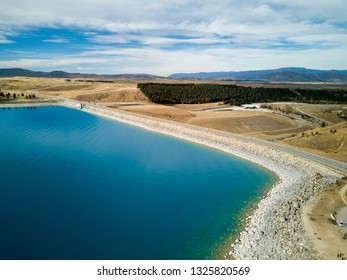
(77, 186)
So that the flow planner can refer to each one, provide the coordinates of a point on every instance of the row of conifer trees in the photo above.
(166, 93)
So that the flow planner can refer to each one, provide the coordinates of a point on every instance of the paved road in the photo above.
(337, 165)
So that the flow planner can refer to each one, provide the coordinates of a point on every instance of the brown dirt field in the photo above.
(160, 111)
(326, 235)
(327, 142)
(64, 88)
(259, 124)
(197, 107)
(243, 122)
(115, 95)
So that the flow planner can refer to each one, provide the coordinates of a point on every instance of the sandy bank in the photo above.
(275, 230)
(326, 235)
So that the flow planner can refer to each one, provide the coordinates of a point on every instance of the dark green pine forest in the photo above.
(236, 95)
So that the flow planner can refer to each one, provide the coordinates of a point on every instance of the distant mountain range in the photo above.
(18, 72)
(291, 74)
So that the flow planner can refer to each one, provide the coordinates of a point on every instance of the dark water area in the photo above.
(77, 186)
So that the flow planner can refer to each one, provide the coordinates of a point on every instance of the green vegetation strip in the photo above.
(236, 95)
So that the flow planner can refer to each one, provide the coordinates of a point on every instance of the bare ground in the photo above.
(316, 218)
(246, 122)
(160, 111)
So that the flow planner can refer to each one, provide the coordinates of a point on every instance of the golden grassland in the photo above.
(330, 141)
(119, 91)
(331, 113)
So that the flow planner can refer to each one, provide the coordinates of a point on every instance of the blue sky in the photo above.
(164, 37)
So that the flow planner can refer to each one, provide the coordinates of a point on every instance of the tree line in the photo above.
(236, 95)
(14, 95)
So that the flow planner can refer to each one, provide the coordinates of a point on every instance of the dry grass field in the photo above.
(316, 217)
(159, 111)
(329, 113)
(119, 91)
(330, 141)
(246, 122)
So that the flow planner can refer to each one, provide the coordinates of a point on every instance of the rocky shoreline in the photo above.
(31, 104)
(275, 229)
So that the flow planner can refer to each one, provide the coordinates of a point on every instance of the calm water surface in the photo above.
(77, 186)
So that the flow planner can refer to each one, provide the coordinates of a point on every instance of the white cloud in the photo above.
(164, 62)
(5, 41)
(3, 38)
(51, 62)
(156, 40)
(120, 15)
(253, 34)
(56, 40)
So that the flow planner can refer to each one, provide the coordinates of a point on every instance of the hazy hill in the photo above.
(16, 72)
(290, 74)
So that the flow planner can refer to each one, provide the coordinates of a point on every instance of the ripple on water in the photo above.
(76, 186)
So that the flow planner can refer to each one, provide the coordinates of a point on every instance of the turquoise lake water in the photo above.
(77, 186)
